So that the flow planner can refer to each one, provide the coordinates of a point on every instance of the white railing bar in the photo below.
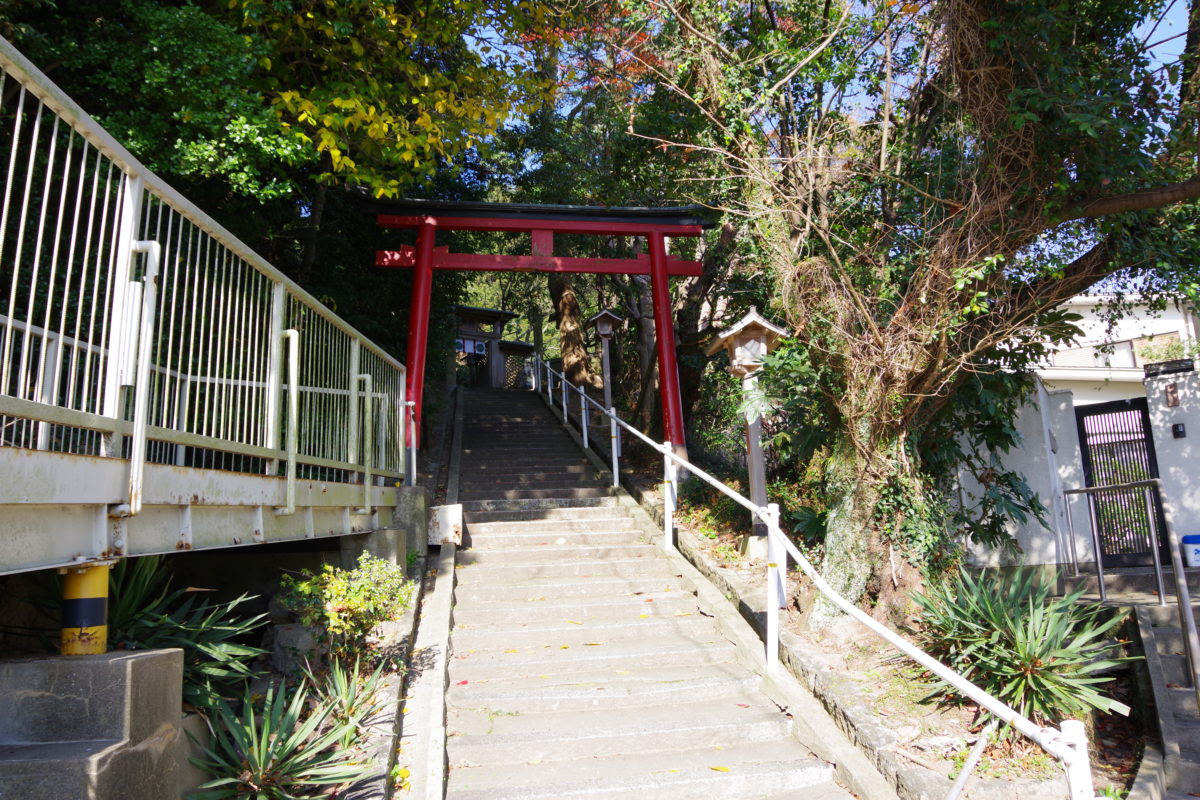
(368, 429)
(1048, 738)
(137, 452)
(56, 100)
(293, 418)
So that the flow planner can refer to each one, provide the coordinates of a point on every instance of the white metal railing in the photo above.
(1170, 539)
(1068, 743)
(133, 325)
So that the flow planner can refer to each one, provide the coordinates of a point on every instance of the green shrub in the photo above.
(351, 695)
(144, 614)
(344, 606)
(282, 752)
(1041, 655)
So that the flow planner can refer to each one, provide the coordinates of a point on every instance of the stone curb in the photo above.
(383, 732)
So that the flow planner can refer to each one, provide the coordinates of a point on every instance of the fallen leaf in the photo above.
(512, 651)
(574, 622)
(719, 769)
(743, 705)
(592, 644)
(565, 647)
(649, 599)
(643, 616)
(461, 683)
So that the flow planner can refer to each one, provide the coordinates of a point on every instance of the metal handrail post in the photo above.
(583, 417)
(776, 556)
(410, 407)
(614, 444)
(1183, 598)
(1152, 521)
(368, 428)
(142, 379)
(1071, 533)
(566, 415)
(293, 418)
(669, 497)
(1096, 547)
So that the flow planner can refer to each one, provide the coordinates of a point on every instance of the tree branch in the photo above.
(1142, 200)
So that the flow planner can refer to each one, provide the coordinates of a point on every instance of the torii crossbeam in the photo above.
(542, 222)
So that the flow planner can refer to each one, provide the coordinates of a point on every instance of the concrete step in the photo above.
(535, 494)
(1136, 580)
(556, 553)
(614, 519)
(499, 575)
(751, 770)
(1168, 615)
(629, 655)
(1183, 702)
(579, 465)
(538, 514)
(52, 770)
(485, 735)
(537, 503)
(563, 635)
(575, 538)
(1175, 670)
(520, 483)
(669, 604)
(1169, 641)
(555, 589)
(490, 478)
(620, 695)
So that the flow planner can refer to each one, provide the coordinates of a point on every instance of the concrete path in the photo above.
(581, 665)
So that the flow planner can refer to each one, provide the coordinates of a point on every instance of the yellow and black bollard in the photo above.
(85, 610)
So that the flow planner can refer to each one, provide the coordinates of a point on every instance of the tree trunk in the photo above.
(647, 355)
(570, 334)
(860, 564)
(311, 237)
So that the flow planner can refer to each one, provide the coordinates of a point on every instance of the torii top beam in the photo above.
(542, 222)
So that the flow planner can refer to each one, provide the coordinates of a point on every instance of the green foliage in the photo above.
(144, 614)
(352, 697)
(346, 605)
(1044, 656)
(284, 751)
(216, 660)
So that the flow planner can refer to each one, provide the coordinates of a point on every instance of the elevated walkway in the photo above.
(162, 387)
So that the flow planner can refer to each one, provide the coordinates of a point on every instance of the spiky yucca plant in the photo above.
(1042, 655)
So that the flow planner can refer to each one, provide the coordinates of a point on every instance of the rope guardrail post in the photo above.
(1079, 771)
(669, 497)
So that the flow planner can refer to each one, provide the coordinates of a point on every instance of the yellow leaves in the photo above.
(574, 622)
(719, 769)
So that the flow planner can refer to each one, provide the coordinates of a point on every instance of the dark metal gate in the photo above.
(1118, 448)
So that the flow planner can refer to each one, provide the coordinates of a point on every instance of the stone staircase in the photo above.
(582, 665)
(1175, 697)
(1166, 666)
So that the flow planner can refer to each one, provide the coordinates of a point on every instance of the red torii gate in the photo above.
(542, 222)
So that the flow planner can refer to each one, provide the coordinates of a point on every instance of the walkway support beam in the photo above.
(664, 336)
(418, 324)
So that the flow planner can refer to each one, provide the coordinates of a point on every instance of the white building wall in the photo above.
(1051, 461)
(1178, 459)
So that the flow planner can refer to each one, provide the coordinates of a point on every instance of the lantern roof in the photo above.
(753, 324)
(605, 314)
